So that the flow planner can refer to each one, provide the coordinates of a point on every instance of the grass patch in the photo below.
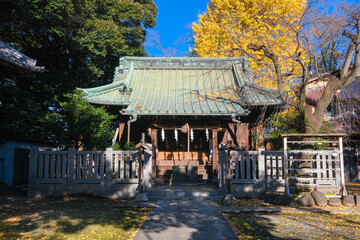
(295, 226)
(75, 218)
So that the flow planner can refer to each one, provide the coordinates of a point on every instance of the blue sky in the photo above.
(173, 25)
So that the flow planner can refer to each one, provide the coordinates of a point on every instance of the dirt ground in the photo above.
(306, 225)
(295, 226)
(77, 217)
(84, 217)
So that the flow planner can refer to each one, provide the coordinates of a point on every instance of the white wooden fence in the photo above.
(105, 173)
(249, 173)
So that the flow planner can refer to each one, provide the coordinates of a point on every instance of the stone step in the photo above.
(183, 193)
(170, 168)
(169, 172)
(164, 180)
(156, 198)
(168, 176)
(163, 172)
(204, 171)
(204, 176)
(181, 163)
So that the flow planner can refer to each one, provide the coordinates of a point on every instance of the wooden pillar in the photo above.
(238, 136)
(215, 154)
(121, 130)
(154, 152)
(244, 136)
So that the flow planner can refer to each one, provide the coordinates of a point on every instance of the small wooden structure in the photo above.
(325, 168)
(187, 107)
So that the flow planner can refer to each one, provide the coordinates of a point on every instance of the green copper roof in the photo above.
(183, 86)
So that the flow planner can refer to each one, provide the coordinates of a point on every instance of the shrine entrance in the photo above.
(184, 156)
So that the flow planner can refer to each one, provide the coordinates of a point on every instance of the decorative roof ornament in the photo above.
(162, 135)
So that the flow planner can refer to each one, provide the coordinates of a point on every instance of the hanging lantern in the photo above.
(207, 134)
(192, 135)
(176, 135)
(162, 135)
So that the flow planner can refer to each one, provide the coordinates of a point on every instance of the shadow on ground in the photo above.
(70, 218)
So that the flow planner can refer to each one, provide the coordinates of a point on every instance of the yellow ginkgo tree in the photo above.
(229, 26)
(289, 44)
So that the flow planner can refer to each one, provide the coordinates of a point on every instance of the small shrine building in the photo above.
(185, 107)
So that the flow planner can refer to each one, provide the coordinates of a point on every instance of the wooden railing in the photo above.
(106, 173)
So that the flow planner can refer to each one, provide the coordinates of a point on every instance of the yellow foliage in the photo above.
(227, 23)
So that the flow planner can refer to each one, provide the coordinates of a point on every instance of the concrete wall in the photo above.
(7, 153)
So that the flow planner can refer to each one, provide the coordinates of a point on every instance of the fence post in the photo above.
(223, 171)
(108, 170)
(141, 170)
(32, 171)
(71, 169)
(261, 167)
(147, 169)
(337, 168)
(344, 192)
(285, 166)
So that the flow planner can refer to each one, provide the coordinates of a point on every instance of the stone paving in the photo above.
(198, 220)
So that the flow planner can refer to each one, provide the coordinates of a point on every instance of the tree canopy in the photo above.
(78, 41)
(78, 124)
(227, 27)
(298, 42)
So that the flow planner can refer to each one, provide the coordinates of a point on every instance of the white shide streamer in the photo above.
(162, 135)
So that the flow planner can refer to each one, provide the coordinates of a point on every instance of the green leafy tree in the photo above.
(78, 124)
(78, 41)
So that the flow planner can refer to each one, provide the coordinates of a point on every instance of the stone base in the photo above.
(141, 197)
(229, 198)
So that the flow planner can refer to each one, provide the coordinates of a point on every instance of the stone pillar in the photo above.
(223, 183)
(154, 152)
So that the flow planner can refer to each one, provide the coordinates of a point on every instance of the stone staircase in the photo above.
(164, 173)
(185, 192)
